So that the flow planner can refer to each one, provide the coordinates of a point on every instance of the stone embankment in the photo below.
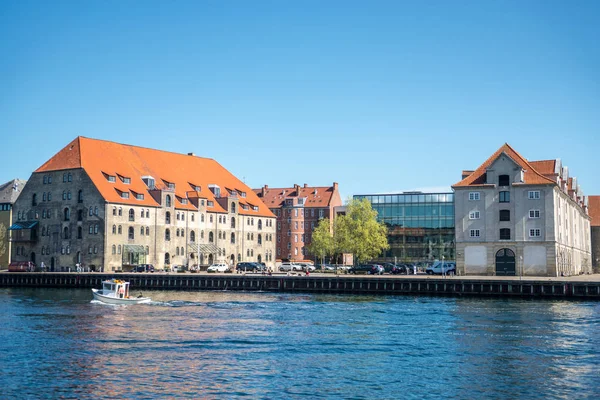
(574, 288)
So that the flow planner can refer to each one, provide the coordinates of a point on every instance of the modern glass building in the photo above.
(420, 225)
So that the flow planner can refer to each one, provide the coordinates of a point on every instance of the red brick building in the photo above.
(594, 211)
(298, 210)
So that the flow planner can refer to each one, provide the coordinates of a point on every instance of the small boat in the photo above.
(116, 291)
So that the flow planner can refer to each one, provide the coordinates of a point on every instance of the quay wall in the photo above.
(316, 284)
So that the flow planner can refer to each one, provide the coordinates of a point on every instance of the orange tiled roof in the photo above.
(275, 197)
(100, 159)
(531, 175)
(594, 209)
(544, 167)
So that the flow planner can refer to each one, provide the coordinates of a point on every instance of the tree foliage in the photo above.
(2, 239)
(357, 232)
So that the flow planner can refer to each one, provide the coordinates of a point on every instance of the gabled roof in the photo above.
(102, 159)
(316, 196)
(594, 209)
(544, 167)
(10, 191)
(530, 177)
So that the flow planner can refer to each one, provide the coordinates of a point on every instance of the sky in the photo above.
(379, 96)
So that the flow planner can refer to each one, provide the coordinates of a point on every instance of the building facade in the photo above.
(298, 210)
(594, 211)
(420, 225)
(519, 217)
(110, 206)
(9, 193)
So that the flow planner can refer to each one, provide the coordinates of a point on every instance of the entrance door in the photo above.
(505, 263)
(33, 257)
(52, 264)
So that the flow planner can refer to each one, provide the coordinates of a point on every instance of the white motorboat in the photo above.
(116, 291)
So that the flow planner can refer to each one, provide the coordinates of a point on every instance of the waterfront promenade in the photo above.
(583, 286)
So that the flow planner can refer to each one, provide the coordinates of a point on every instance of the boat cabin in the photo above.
(116, 288)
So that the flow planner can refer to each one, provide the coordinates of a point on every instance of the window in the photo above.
(114, 210)
(114, 230)
(120, 230)
(91, 211)
(534, 213)
(80, 196)
(130, 233)
(259, 224)
(79, 215)
(119, 249)
(70, 178)
(474, 215)
(112, 178)
(167, 234)
(79, 232)
(232, 222)
(91, 229)
(259, 239)
(142, 231)
(64, 194)
(192, 236)
(233, 238)
(147, 213)
(211, 237)
(114, 249)
(67, 214)
(232, 207)
(533, 195)
(95, 229)
(95, 210)
(503, 180)
(473, 196)
(64, 177)
(34, 199)
(120, 211)
(474, 233)
(125, 195)
(504, 234)
(504, 215)
(49, 196)
(535, 233)
(66, 233)
(147, 231)
(167, 217)
(504, 197)
(168, 201)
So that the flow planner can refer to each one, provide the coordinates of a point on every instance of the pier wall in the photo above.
(316, 284)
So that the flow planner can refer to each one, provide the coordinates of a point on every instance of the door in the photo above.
(505, 263)
(52, 264)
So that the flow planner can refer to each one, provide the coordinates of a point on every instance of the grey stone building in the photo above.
(9, 193)
(519, 217)
(110, 206)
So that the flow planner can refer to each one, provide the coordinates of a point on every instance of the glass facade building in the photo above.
(420, 225)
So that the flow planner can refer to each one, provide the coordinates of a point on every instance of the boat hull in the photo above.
(116, 300)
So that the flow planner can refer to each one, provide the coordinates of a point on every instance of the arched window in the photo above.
(66, 233)
(232, 207)
(130, 233)
(69, 195)
(114, 231)
(120, 211)
(95, 229)
(67, 214)
(147, 250)
(232, 238)
(64, 194)
(211, 218)
(167, 217)
(142, 214)
(233, 222)
(192, 236)
(119, 251)
(34, 199)
(211, 237)
(142, 231)
(168, 200)
(147, 213)
(49, 196)
(114, 210)
(44, 197)
(260, 224)
(147, 231)
(65, 177)
(182, 252)
(70, 178)
(167, 234)
(224, 219)
(80, 196)
(79, 232)
(201, 235)
(91, 212)
(120, 230)
(131, 214)
(167, 258)
(259, 239)
(114, 249)
(91, 230)
(95, 210)
(79, 215)
(192, 217)
(201, 217)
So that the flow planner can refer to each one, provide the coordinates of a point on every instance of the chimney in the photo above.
(466, 173)
(305, 185)
(264, 190)
(335, 186)
(297, 188)
(191, 154)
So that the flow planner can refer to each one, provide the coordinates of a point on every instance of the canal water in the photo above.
(57, 343)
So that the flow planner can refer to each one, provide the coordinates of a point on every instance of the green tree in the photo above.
(363, 235)
(2, 239)
(322, 239)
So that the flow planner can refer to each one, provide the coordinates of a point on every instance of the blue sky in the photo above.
(380, 96)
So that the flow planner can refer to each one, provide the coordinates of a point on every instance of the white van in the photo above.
(288, 266)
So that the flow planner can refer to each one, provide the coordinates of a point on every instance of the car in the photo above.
(442, 268)
(289, 266)
(249, 267)
(365, 269)
(400, 269)
(377, 270)
(219, 267)
(307, 266)
(143, 268)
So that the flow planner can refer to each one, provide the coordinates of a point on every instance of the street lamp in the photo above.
(521, 261)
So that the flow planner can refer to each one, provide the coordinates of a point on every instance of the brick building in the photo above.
(594, 210)
(298, 210)
(520, 217)
(110, 206)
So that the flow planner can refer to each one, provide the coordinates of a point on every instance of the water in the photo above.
(58, 344)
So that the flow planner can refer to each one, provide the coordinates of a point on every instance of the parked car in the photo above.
(287, 266)
(249, 267)
(441, 267)
(400, 269)
(220, 267)
(307, 266)
(371, 269)
(377, 270)
(143, 268)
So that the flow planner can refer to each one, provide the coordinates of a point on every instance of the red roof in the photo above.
(594, 209)
(544, 167)
(316, 196)
(531, 175)
(103, 159)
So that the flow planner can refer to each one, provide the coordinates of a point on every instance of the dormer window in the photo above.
(149, 181)
(195, 187)
(170, 185)
(139, 196)
(215, 189)
(503, 180)
(125, 195)
(243, 194)
(184, 201)
(210, 203)
(110, 178)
